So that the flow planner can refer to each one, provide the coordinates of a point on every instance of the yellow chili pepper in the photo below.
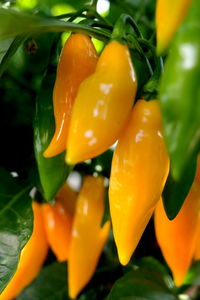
(58, 221)
(139, 170)
(103, 104)
(169, 15)
(31, 259)
(88, 238)
(77, 61)
(177, 238)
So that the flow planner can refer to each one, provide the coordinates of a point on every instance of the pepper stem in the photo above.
(150, 88)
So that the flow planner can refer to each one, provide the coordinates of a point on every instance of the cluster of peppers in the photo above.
(65, 228)
(94, 107)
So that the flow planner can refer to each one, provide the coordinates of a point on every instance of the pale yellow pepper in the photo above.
(169, 15)
(88, 237)
(139, 170)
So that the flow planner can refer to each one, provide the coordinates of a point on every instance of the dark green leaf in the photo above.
(10, 52)
(175, 192)
(51, 284)
(141, 284)
(154, 265)
(52, 171)
(16, 223)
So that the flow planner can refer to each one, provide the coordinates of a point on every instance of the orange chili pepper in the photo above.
(58, 221)
(177, 238)
(77, 61)
(32, 257)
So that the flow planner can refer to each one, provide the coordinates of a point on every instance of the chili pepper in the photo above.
(88, 238)
(177, 238)
(32, 257)
(139, 170)
(58, 221)
(169, 15)
(196, 255)
(52, 171)
(103, 104)
(179, 93)
(77, 61)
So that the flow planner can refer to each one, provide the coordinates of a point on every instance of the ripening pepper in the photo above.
(103, 104)
(169, 15)
(88, 237)
(177, 237)
(58, 220)
(139, 170)
(77, 61)
(180, 93)
(32, 257)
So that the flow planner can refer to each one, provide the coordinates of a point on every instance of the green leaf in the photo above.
(193, 275)
(153, 264)
(16, 224)
(52, 171)
(144, 283)
(4, 46)
(175, 192)
(15, 23)
(11, 51)
(51, 284)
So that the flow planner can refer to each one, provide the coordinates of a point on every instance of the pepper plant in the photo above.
(99, 165)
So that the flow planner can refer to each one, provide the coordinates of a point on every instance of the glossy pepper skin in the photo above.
(177, 238)
(58, 221)
(31, 259)
(180, 93)
(103, 104)
(77, 61)
(88, 237)
(169, 15)
(139, 170)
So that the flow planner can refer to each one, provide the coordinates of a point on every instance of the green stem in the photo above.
(157, 59)
(93, 5)
(59, 26)
(150, 88)
(100, 18)
(102, 25)
(135, 46)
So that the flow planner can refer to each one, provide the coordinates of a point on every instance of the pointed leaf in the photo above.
(175, 192)
(16, 222)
